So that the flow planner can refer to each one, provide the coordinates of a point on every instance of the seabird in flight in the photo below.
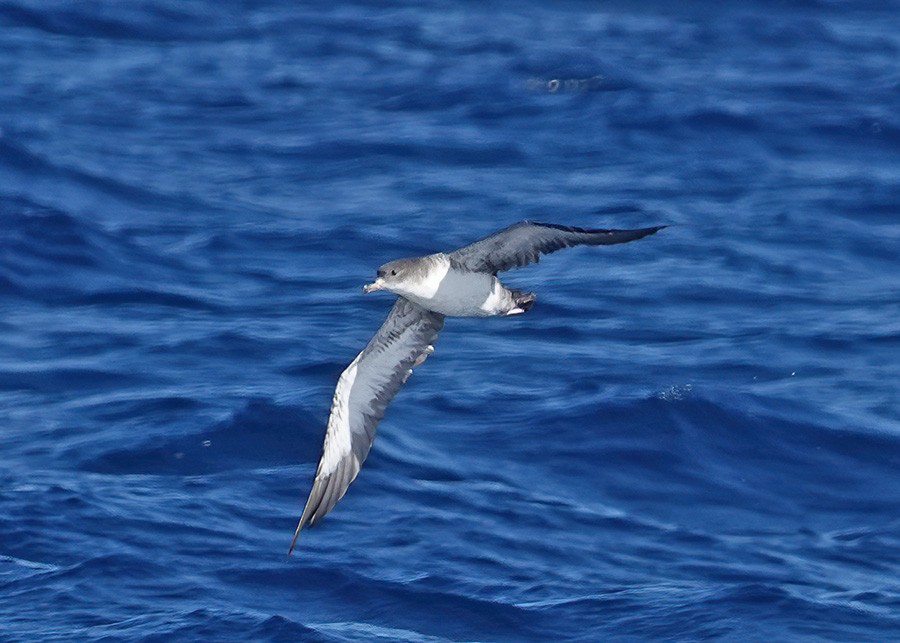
(462, 283)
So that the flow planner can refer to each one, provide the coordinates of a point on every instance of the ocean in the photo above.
(694, 436)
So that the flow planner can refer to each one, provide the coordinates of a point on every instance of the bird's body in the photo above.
(450, 290)
(462, 283)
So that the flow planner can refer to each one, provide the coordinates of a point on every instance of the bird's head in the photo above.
(392, 276)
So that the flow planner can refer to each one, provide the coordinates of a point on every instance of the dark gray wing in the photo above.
(362, 394)
(524, 242)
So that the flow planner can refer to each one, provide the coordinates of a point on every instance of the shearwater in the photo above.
(461, 283)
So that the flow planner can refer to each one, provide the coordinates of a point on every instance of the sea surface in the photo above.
(694, 436)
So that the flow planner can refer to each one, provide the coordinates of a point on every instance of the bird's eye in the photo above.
(394, 272)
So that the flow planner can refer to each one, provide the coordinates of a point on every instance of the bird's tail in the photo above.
(523, 301)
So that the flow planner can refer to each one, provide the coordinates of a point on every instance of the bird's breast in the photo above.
(458, 293)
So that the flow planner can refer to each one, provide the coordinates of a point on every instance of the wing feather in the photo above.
(524, 242)
(362, 394)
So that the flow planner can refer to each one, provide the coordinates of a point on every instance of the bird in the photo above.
(460, 283)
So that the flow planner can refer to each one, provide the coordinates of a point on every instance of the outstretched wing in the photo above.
(524, 242)
(363, 392)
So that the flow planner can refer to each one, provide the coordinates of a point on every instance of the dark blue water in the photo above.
(694, 436)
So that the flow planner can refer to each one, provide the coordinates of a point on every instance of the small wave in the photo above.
(144, 297)
(705, 120)
(862, 131)
(33, 234)
(53, 256)
(146, 22)
(31, 165)
(723, 453)
(444, 154)
(366, 593)
(60, 378)
(12, 568)
(206, 623)
(262, 434)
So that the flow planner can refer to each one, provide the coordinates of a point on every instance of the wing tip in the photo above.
(568, 228)
(305, 520)
(294, 539)
(325, 494)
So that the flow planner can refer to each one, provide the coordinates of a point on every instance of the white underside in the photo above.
(338, 437)
(357, 387)
(457, 293)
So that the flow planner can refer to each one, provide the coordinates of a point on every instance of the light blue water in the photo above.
(694, 436)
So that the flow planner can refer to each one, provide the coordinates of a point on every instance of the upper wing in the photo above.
(363, 392)
(524, 242)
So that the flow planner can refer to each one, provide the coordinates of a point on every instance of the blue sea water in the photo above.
(695, 436)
